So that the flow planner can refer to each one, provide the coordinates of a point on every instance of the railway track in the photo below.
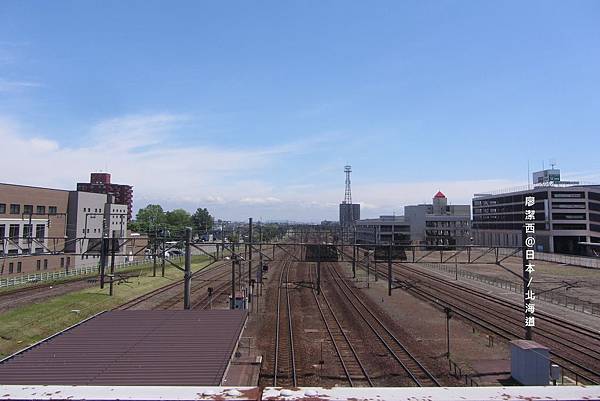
(503, 318)
(164, 289)
(351, 364)
(284, 365)
(418, 374)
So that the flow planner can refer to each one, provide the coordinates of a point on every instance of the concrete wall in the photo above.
(415, 215)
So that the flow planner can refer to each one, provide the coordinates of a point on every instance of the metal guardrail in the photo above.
(582, 261)
(576, 304)
(456, 371)
(58, 275)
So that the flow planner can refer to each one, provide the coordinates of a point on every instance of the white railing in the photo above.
(58, 275)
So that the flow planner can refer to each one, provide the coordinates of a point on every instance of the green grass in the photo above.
(136, 268)
(25, 325)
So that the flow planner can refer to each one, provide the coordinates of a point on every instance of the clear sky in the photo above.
(252, 108)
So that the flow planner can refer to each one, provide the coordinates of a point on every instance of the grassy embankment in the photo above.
(25, 325)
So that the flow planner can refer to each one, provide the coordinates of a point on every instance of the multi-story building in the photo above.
(91, 215)
(349, 213)
(567, 215)
(43, 229)
(33, 224)
(385, 229)
(100, 183)
(439, 223)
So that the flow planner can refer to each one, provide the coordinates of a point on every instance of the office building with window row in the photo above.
(44, 229)
(567, 216)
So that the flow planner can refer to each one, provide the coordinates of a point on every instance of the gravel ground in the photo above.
(585, 319)
(34, 295)
(423, 328)
(313, 344)
(574, 281)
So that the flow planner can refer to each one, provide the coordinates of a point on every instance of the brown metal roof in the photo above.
(133, 348)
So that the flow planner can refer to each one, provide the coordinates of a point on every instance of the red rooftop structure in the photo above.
(100, 183)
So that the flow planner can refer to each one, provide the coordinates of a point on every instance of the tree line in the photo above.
(153, 219)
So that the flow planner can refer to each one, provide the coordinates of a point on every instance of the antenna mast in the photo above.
(348, 194)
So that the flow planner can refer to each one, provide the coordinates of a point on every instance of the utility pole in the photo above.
(250, 251)
(233, 260)
(448, 313)
(354, 254)
(188, 269)
(390, 270)
(113, 242)
(368, 268)
(154, 256)
(103, 252)
(319, 268)
(162, 264)
(455, 268)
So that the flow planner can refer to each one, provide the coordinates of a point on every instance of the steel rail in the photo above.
(428, 375)
(290, 327)
(494, 327)
(277, 322)
(338, 352)
(507, 317)
(136, 301)
(573, 326)
(542, 332)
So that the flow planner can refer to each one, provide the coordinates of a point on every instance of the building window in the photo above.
(40, 231)
(38, 264)
(2, 230)
(45, 264)
(15, 209)
(11, 267)
(19, 267)
(2, 208)
(52, 209)
(27, 209)
(26, 230)
(13, 232)
(580, 195)
(68, 261)
(62, 262)
(41, 209)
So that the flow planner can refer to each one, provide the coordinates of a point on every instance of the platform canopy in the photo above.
(150, 348)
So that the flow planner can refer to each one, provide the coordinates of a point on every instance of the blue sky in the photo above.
(253, 108)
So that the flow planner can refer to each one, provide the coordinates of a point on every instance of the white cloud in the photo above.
(267, 200)
(233, 183)
(15, 86)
